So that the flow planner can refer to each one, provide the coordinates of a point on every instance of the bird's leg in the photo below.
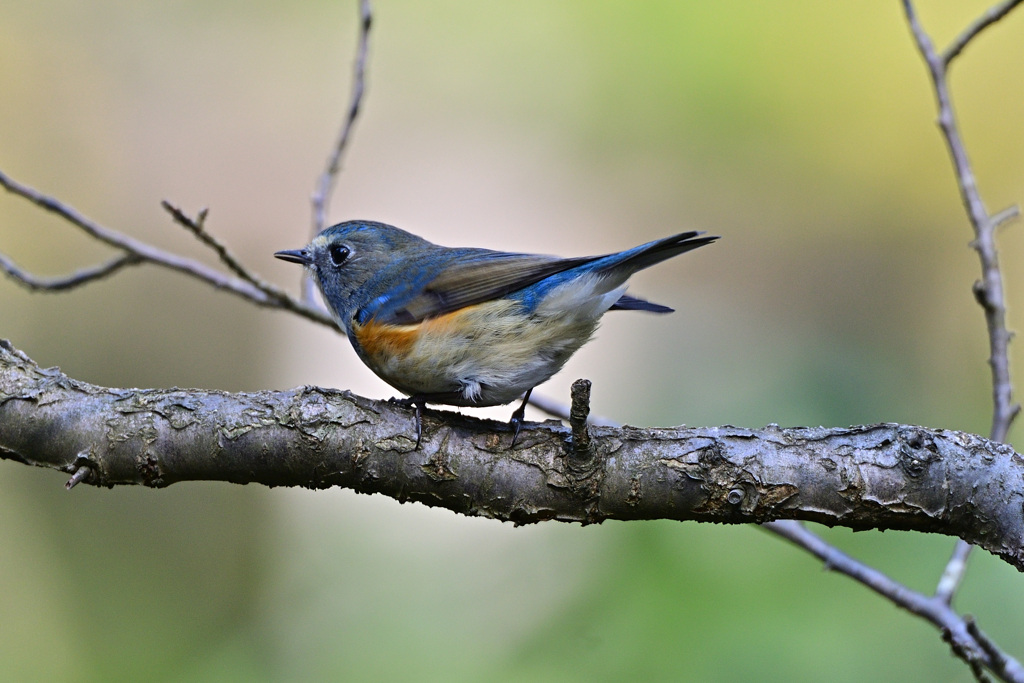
(516, 422)
(418, 403)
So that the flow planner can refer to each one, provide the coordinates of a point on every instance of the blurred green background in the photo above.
(840, 294)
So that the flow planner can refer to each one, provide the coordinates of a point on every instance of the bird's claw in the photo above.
(417, 403)
(516, 423)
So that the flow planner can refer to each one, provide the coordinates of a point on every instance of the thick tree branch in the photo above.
(936, 609)
(883, 476)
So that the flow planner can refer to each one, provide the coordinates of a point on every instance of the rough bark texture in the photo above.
(885, 476)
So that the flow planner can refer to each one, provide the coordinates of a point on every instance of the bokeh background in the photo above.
(839, 294)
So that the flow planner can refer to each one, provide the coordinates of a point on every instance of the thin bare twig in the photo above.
(991, 16)
(956, 629)
(999, 658)
(953, 574)
(327, 181)
(269, 296)
(75, 279)
(245, 283)
(198, 228)
(989, 291)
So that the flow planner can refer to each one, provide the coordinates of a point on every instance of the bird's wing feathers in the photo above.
(477, 275)
(472, 279)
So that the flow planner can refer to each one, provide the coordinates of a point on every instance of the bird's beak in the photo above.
(300, 256)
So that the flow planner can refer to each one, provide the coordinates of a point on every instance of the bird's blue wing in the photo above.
(616, 268)
(450, 279)
(466, 277)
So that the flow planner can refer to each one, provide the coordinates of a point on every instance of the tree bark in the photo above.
(884, 476)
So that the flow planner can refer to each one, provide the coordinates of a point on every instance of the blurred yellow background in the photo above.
(802, 133)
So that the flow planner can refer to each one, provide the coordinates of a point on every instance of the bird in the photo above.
(469, 326)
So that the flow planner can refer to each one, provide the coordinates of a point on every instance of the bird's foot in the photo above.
(418, 403)
(516, 423)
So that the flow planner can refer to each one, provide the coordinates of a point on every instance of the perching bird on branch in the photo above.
(464, 326)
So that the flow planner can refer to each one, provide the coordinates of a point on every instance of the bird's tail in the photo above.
(647, 255)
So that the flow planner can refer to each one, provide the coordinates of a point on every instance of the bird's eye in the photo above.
(339, 253)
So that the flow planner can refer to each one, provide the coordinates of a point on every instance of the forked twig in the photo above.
(954, 627)
(246, 286)
(989, 290)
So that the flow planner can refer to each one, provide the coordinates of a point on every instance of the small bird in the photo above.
(464, 326)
